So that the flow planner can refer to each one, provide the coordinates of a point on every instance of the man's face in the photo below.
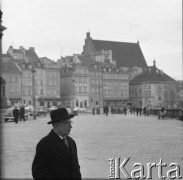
(64, 127)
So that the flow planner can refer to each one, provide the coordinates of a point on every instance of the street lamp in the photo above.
(73, 83)
(122, 97)
(33, 93)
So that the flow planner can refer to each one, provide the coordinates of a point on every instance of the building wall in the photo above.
(13, 87)
(27, 87)
(153, 94)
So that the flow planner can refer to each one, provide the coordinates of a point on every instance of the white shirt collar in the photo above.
(61, 137)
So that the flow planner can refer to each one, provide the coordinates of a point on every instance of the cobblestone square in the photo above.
(143, 139)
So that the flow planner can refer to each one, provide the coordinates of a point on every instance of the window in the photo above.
(80, 89)
(41, 103)
(93, 90)
(77, 103)
(16, 78)
(85, 103)
(54, 103)
(42, 92)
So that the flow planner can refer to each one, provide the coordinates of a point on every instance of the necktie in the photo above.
(66, 142)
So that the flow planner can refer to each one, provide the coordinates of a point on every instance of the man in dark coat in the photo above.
(106, 110)
(56, 154)
(22, 113)
(16, 114)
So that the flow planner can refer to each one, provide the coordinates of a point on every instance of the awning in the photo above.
(46, 98)
(15, 98)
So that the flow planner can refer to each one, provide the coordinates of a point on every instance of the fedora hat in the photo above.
(60, 114)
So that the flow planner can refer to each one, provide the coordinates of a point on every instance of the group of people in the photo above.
(139, 111)
(19, 114)
(133, 110)
(112, 109)
(95, 110)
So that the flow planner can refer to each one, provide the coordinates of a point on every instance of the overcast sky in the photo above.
(55, 27)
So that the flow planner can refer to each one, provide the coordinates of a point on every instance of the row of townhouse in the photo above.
(26, 74)
(92, 84)
(106, 72)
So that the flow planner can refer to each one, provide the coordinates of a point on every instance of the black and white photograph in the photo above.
(91, 89)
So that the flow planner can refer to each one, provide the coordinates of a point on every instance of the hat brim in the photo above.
(61, 119)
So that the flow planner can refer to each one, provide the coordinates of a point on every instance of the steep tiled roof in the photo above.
(31, 56)
(125, 54)
(17, 51)
(11, 67)
(6, 55)
(152, 74)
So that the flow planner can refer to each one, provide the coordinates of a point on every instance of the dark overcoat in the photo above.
(15, 113)
(53, 160)
(22, 111)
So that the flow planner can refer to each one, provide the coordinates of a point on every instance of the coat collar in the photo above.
(59, 142)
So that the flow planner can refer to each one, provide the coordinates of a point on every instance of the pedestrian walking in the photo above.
(93, 110)
(137, 111)
(56, 154)
(106, 110)
(22, 113)
(161, 113)
(98, 111)
(140, 111)
(16, 114)
(112, 110)
(125, 110)
(131, 110)
(144, 111)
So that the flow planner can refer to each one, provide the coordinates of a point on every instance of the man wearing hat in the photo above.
(56, 154)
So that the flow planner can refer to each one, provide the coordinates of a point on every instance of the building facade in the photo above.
(30, 77)
(12, 74)
(153, 88)
(91, 84)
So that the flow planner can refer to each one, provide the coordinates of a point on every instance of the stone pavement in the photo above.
(143, 139)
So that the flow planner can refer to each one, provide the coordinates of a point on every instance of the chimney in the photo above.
(21, 47)
(31, 48)
(137, 42)
(154, 63)
(88, 34)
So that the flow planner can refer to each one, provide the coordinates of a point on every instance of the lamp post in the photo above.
(33, 93)
(122, 97)
(73, 82)
(99, 100)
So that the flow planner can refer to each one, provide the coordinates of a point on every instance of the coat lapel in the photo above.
(59, 142)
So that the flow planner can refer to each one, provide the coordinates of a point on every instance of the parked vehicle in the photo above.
(8, 115)
(82, 109)
(53, 108)
(39, 111)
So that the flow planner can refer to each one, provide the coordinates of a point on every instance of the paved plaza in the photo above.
(143, 139)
